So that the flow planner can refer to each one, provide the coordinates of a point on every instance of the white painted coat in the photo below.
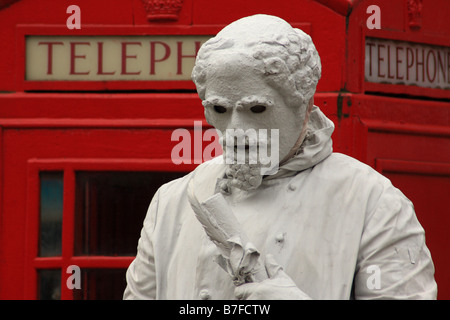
(334, 224)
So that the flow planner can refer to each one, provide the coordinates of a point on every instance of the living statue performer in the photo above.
(313, 225)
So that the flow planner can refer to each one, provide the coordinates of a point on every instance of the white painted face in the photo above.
(238, 97)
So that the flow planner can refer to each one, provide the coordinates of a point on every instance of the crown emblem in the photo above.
(160, 10)
(415, 13)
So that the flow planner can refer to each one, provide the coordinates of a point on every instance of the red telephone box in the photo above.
(87, 116)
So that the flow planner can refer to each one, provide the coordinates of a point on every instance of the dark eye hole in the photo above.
(220, 109)
(258, 109)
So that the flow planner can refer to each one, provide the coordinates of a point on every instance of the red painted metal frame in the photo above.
(342, 7)
(161, 108)
(416, 167)
(67, 258)
(371, 114)
(407, 128)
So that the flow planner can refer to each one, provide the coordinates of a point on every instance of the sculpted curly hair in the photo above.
(286, 57)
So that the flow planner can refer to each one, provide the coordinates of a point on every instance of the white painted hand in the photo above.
(279, 286)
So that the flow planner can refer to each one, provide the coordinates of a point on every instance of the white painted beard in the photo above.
(247, 160)
(243, 166)
(244, 176)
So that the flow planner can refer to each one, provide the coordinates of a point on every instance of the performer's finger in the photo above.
(272, 267)
(243, 291)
